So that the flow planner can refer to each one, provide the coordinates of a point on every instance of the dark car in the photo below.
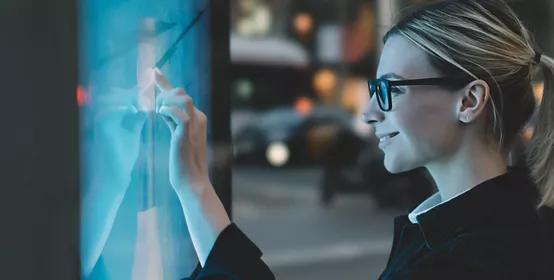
(284, 136)
(267, 72)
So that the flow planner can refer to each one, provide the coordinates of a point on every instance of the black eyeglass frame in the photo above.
(385, 100)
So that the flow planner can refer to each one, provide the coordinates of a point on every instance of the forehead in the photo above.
(404, 58)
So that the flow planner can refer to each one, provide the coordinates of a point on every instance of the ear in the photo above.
(473, 100)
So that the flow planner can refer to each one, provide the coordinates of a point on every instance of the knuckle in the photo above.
(180, 91)
(188, 100)
(202, 118)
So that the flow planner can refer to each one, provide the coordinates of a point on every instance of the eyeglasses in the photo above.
(381, 87)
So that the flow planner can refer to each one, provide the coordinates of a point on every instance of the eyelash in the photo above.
(395, 90)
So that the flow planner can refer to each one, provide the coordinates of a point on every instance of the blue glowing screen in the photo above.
(132, 225)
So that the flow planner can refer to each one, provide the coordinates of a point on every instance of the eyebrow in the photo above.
(392, 75)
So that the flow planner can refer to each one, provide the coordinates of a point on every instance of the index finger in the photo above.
(161, 81)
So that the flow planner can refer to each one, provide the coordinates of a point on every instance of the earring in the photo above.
(467, 118)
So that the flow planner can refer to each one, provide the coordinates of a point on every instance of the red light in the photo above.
(303, 105)
(82, 96)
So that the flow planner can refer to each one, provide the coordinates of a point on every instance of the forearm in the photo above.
(98, 211)
(205, 216)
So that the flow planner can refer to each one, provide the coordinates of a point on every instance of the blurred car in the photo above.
(240, 120)
(284, 136)
(267, 72)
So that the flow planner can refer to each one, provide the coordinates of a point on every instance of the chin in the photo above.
(396, 164)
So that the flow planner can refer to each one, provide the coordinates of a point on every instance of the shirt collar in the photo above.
(425, 206)
(439, 221)
(430, 203)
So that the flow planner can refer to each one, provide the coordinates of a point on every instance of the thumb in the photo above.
(173, 116)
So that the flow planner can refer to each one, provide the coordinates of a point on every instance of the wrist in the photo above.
(195, 189)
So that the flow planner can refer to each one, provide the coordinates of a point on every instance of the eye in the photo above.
(395, 90)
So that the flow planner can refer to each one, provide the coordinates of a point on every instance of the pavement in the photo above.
(280, 211)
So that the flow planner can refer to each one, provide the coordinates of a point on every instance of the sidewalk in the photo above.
(283, 216)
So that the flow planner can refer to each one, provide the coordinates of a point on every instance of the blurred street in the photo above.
(280, 211)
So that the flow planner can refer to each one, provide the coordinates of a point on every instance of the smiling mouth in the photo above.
(388, 137)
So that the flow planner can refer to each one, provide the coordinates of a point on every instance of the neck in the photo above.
(469, 167)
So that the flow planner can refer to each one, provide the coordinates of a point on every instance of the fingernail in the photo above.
(162, 109)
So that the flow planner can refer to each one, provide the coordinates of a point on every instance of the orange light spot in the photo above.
(303, 105)
(303, 23)
(83, 97)
(324, 82)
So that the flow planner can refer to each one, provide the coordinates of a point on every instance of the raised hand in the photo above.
(188, 167)
(188, 151)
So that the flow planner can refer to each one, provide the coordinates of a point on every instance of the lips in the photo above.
(387, 136)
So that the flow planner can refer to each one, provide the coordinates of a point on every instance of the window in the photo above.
(132, 224)
(255, 17)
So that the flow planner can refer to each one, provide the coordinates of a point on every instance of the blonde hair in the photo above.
(484, 39)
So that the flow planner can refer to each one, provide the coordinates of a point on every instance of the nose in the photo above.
(372, 114)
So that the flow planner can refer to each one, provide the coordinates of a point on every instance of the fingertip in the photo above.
(158, 72)
(161, 81)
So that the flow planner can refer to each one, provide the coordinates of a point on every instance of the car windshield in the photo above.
(280, 117)
(329, 115)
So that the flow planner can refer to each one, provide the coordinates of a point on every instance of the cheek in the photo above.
(428, 125)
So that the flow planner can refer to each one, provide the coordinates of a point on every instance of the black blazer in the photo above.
(490, 232)
(547, 218)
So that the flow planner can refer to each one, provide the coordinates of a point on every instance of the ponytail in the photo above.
(541, 145)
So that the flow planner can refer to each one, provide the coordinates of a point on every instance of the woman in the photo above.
(453, 93)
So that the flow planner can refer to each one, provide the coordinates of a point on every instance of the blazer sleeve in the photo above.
(233, 257)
